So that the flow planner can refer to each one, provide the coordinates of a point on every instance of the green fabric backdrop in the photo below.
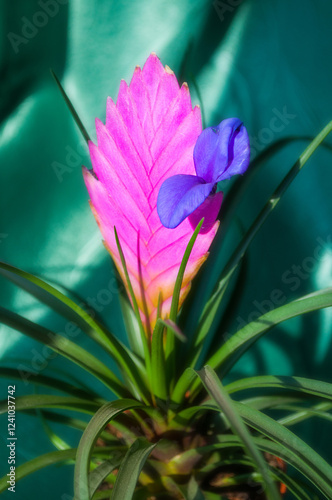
(254, 59)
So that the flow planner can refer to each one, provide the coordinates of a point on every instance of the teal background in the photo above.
(253, 61)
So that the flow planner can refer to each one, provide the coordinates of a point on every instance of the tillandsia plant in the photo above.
(170, 427)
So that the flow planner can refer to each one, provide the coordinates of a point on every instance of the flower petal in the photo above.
(223, 151)
(179, 196)
(209, 210)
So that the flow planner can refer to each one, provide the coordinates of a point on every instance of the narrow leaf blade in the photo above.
(229, 353)
(73, 111)
(66, 348)
(106, 413)
(130, 469)
(283, 382)
(228, 407)
(35, 401)
(65, 306)
(158, 367)
(99, 474)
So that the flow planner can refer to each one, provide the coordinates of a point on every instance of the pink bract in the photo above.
(149, 136)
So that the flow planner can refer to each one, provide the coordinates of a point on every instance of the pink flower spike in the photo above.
(149, 136)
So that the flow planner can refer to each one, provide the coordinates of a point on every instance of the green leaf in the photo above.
(158, 366)
(170, 486)
(101, 495)
(184, 418)
(226, 442)
(144, 339)
(208, 495)
(230, 308)
(301, 413)
(279, 402)
(213, 303)
(71, 108)
(100, 473)
(180, 275)
(54, 457)
(56, 440)
(130, 469)
(170, 339)
(174, 328)
(66, 348)
(62, 304)
(296, 384)
(192, 492)
(214, 466)
(34, 401)
(203, 331)
(312, 465)
(183, 461)
(229, 353)
(183, 384)
(200, 335)
(289, 446)
(229, 408)
(293, 485)
(132, 326)
(75, 423)
(44, 380)
(104, 415)
(269, 401)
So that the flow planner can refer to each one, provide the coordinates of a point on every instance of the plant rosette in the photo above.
(171, 427)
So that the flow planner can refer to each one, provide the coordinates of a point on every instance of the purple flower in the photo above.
(219, 153)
